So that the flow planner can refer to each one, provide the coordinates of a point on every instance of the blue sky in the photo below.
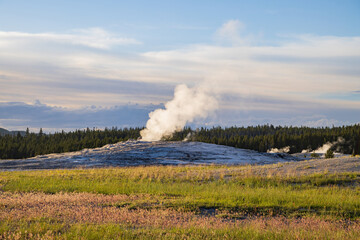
(107, 63)
(173, 23)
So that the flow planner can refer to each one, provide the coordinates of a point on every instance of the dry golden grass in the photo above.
(188, 202)
(100, 209)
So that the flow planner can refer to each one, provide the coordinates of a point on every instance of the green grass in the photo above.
(184, 202)
(192, 188)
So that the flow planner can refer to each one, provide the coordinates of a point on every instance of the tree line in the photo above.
(32, 144)
(346, 139)
(259, 138)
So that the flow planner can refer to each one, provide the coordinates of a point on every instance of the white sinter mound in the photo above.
(132, 153)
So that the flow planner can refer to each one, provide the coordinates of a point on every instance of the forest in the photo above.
(260, 138)
(346, 139)
(32, 144)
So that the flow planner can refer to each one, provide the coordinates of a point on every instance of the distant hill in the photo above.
(4, 132)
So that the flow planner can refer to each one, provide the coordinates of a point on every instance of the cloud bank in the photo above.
(301, 79)
(18, 115)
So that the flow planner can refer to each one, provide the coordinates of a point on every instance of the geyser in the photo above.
(187, 105)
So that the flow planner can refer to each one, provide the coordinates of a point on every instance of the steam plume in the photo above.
(187, 105)
(325, 147)
(279, 150)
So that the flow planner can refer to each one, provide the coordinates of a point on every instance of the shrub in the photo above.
(329, 154)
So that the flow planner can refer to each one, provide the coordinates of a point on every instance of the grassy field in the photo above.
(182, 202)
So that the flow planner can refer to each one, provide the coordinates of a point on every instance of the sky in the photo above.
(77, 64)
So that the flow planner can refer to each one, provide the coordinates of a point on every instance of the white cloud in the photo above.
(91, 37)
(230, 32)
(292, 76)
(326, 122)
(19, 116)
(282, 72)
(318, 46)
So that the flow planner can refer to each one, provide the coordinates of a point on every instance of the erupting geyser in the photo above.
(187, 105)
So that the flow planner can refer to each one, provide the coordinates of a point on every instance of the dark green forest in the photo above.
(259, 138)
(265, 137)
(32, 144)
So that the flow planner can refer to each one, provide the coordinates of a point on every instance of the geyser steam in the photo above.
(187, 105)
